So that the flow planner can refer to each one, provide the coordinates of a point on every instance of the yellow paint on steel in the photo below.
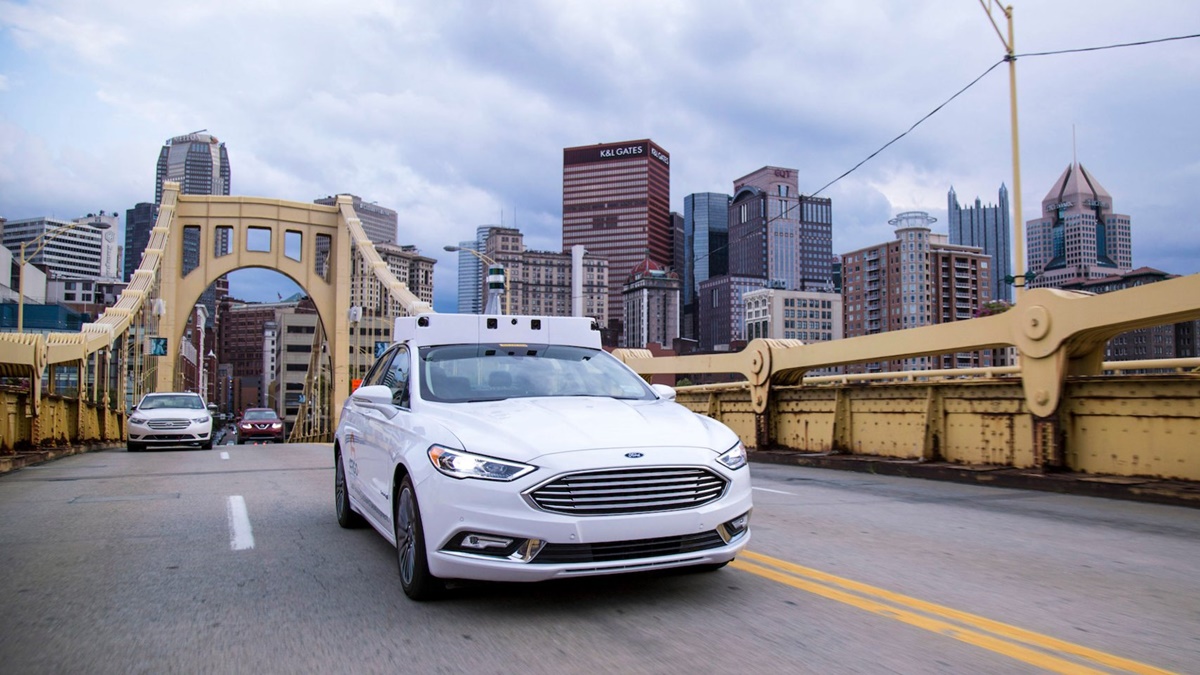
(1012, 641)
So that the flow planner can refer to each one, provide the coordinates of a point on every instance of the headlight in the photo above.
(459, 464)
(201, 420)
(277, 425)
(137, 420)
(735, 457)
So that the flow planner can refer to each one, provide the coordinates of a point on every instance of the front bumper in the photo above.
(576, 545)
(196, 434)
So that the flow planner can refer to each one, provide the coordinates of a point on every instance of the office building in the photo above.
(808, 316)
(1078, 237)
(779, 235)
(1170, 341)
(471, 275)
(82, 252)
(915, 280)
(197, 161)
(651, 296)
(723, 311)
(546, 283)
(616, 203)
(378, 222)
(705, 251)
(988, 228)
(139, 221)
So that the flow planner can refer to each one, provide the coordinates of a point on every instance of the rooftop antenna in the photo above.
(1074, 155)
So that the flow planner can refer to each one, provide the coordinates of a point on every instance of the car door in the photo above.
(358, 434)
(384, 432)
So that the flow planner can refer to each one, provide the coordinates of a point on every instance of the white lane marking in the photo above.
(224, 455)
(241, 537)
(778, 492)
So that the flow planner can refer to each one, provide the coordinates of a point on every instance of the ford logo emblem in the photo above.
(633, 455)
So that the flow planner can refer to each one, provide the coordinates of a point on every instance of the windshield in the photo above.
(492, 372)
(191, 402)
(259, 415)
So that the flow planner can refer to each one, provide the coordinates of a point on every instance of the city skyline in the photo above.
(841, 83)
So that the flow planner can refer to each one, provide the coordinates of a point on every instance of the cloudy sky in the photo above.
(455, 114)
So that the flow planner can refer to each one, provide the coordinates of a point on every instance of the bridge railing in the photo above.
(1056, 409)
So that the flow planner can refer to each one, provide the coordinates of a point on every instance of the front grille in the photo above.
(168, 424)
(626, 491)
(614, 551)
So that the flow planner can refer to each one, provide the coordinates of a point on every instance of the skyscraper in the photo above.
(138, 222)
(197, 161)
(470, 272)
(987, 227)
(200, 164)
(378, 222)
(705, 250)
(616, 202)
(779, 235)
(1078, 236)
(915, 280)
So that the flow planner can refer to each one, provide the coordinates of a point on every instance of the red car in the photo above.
(260, 424)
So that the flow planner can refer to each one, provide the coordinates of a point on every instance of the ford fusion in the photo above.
(514, 448)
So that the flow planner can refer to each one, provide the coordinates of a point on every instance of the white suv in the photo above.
(514, 448)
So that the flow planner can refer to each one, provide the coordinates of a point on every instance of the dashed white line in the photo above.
(224, 455)
(778, 492)
(241, 536)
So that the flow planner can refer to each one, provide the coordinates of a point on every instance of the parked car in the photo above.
(260, 424)
(169, 419)
(514, 448)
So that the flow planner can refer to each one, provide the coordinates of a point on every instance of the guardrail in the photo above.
(1055, 410)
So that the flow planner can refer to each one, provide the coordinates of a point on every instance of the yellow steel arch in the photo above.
(312, 244)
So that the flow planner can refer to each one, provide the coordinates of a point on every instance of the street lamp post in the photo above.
(44, 239)
(1020, 278)
(496, 279)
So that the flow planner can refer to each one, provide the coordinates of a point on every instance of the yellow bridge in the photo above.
(1061, 409)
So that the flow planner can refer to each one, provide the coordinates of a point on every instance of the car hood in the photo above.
(170, 413)
(522, 429)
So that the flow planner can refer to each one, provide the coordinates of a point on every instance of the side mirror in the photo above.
(212, 407)
(376, 397)
(664, 391)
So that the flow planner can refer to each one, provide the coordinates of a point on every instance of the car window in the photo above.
(259, 415)
(171, 401)
(391, 371)
(490, 372)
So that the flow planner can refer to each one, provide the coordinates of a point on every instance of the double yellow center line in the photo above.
(1033, 648)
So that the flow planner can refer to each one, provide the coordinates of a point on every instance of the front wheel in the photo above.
(347, 517)
(416, 580)
(134, 447)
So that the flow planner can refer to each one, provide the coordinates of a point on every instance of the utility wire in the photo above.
(956, 95)
(1124, 44)
(993, 67)
(914, 126)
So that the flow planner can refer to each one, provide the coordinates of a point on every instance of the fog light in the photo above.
(528, 550)
(483, 541)
(734, 528)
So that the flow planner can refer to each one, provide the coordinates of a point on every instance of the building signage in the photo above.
(156, 346)
(584, 155)
(628, 151)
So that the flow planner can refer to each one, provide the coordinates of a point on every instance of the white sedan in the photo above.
(169, 419)
(516, 449)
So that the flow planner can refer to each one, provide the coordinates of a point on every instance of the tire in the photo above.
(416, 580)
(207, 445)
(347, 517)
(134, 447)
